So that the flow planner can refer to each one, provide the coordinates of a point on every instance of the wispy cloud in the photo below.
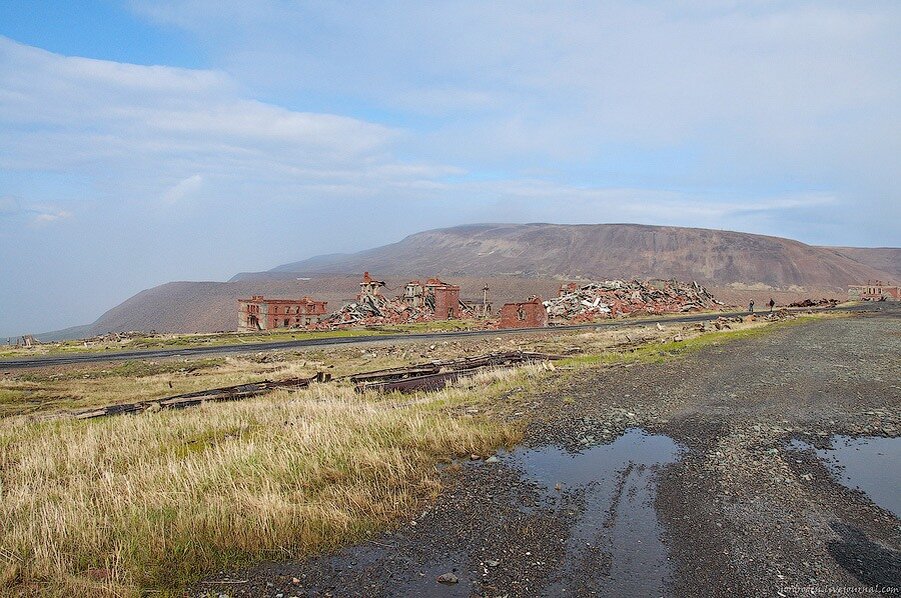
(182, 189)
(13, 207)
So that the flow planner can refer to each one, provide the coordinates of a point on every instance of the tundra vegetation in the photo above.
(122, 505)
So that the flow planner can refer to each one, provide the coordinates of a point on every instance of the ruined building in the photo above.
(874, 291)
(441, 298)
(480, 308)
(259, 313)
(529, 314)
(369, 287)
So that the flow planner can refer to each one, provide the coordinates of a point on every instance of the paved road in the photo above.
(51, 360)
(715, 498)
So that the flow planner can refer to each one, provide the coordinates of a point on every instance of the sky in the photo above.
(148, 141)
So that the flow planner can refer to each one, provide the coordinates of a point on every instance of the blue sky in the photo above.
(143, 142)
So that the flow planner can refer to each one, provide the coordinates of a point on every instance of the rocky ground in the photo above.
(739, 510)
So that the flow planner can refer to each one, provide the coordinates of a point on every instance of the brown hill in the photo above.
(886, 259)
(517, 260)
(714, 257)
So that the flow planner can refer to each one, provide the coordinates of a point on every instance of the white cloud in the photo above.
(45, 217)
(182, 189)
(753, 93)
(13, 207)
(106, 119)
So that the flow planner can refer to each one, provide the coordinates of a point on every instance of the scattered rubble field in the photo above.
(717, 494)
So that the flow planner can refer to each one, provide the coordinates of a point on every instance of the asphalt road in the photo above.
(77, 358)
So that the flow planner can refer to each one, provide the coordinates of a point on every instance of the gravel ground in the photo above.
(740, 512)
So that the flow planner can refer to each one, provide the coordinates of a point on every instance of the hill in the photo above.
(517, 260)
(713, 257)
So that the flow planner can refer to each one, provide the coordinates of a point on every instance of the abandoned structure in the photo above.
(480, 308)
(259, 313)
(529, 314)
(874, 291)
(441, 298)
(369, 286)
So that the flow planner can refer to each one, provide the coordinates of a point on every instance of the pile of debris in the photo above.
(373, 310)
(421, 302)
(616, 298)
(815, 303)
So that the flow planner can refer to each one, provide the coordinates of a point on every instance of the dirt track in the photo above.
(712, 500)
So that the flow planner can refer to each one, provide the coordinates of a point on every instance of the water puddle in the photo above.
(607, 491)
(870, 464)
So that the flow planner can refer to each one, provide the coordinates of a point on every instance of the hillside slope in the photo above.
(713, 257)
(517, 260)
(886, 259)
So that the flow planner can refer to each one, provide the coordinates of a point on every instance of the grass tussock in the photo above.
(120, 505)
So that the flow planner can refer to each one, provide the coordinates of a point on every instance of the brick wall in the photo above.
(530, 314)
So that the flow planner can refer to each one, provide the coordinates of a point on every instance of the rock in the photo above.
(295, 581)
(448, 578)
(492, 563)
(492, 459)
(475, 457)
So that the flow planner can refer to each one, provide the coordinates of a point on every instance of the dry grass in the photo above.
(121, 505)
(36, 392)
(154, 500)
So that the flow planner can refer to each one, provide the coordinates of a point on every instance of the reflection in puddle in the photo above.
(614, 545)
(870, 464)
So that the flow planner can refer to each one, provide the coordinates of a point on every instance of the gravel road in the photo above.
(694, 477)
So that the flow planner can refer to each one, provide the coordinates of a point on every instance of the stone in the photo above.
(492, 459)
(447, 578)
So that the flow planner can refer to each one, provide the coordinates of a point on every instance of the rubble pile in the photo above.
(616, 298)
(815, 303)
(372, 310)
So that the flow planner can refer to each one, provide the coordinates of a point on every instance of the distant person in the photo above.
(751, 306)
(772, 304)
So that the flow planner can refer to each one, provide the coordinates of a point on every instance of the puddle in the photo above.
(614, 546)
(870, 464)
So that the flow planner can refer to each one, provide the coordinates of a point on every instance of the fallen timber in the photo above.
(190, 399)
(438, 374)
(422, 377)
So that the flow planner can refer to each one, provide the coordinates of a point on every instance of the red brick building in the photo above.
(529, 314)
(440, 297)
(259, 313)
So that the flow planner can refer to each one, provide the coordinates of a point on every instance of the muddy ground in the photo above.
(684, 478)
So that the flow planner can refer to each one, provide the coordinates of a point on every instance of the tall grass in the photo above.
(118, 505)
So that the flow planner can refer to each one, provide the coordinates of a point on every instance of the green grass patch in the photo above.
(659, 352)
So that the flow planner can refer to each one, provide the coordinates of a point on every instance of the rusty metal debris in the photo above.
(427, 376)
(437, 374)
(228, 393)
(615, 298)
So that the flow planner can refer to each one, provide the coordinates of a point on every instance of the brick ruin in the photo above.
(439, 297)
(259, 313)
(528, 314)
(874, 291)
